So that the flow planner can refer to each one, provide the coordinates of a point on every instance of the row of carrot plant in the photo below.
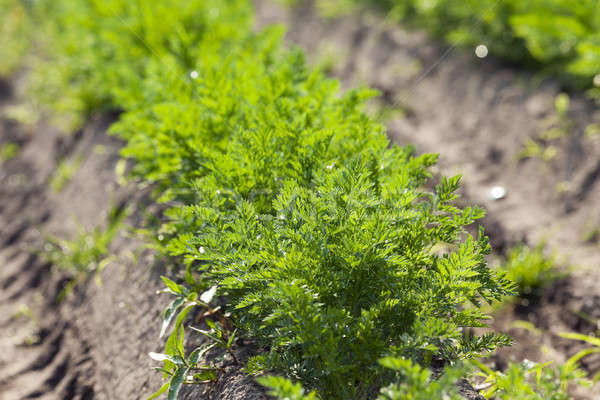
(330, 247)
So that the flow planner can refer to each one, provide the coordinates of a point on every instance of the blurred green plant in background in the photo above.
(15, 30)
(530, 381)
(64, 172)
(531, 268)
(559, 37)
(7, 151)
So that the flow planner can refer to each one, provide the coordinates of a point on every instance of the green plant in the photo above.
(181, 370)
(176, 367)
(65, 171)
(15, 26)
(555, 127)
(8, 151)
(301, 163)
(303, 293)
(85, 254)
(560, 123)
(530, 381)
(533, 149)
(412, 382)
(220, 337)
(530, 268)
(593, 340)
(88, 53)
(285, 389)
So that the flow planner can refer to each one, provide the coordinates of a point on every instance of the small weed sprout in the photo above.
(180, 369)
(592, 234)
(64, 173)
(8, 151)
(87, 253)
(555, 127)
(558, 125)
(530, 268)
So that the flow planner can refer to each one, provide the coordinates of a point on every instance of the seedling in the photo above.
(8, 151)
(592, 234)
(220, 337)
(87, 253)
(23, 311)
(555, 127)
(531, 268)
(589, 339)
(65, 171)
(533, 149)
(560, 125)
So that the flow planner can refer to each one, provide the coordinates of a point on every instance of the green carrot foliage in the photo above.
(283, 195)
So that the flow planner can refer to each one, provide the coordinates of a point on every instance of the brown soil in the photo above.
(476, 113)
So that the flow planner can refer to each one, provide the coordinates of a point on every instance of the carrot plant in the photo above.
(295, 207)
(410, 381)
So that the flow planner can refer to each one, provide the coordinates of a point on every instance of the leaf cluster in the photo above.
(92, 55)
(530, 268)
(87, 253)
(531, 381)
(410, 382)
(589, 339)
(16, 28)
(340, 276)
(8, 150)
